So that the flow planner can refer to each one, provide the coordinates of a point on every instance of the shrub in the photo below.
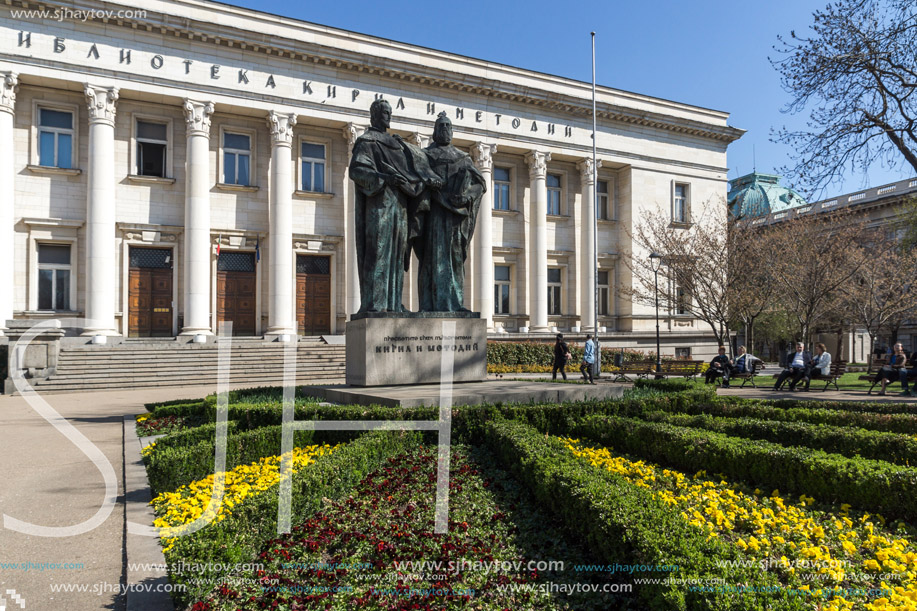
(620, 521)
(538, 353)
(868, 484)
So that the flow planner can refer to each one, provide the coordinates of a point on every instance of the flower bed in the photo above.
(148, 424)
(810, 550)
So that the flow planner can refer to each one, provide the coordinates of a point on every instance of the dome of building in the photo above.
(758, 194)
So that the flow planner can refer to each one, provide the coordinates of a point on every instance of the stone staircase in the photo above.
(145, 363)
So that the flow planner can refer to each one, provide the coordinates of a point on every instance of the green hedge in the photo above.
(830, 478)
(622, 523)
(239, 538)
(672, 385)
(537, 353)
(170, 467)
(851, 442)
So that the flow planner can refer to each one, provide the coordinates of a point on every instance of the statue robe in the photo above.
(443, 227)
(380, 215)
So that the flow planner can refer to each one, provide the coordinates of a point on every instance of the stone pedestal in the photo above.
(408, 349)
(36, 361)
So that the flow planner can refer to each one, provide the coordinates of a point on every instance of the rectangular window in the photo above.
(602, 201)
(53, 277)
(501, 289)
(55, 138)
(501, 189)
(236, 159)
(553, 182)
(682, 301)
(152, 146)
(313, 167)
(554, 287)
(604, 292)
(680, 205)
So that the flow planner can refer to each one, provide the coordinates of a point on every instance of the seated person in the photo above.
(893, 371)
(797, 367)
(821, 364)
(719, 366)
(745, 362)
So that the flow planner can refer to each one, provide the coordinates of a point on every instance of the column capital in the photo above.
(586, 169)
(351, 133)
(197, 117)
(482, 154)
(538, 164)
(101, 103)
(281, 126)
(8, 93)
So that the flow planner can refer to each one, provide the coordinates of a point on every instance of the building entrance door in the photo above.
(236, 291)
(313, 294)
(150, 292)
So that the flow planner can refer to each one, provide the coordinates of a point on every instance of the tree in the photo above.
(752, 290)
(696, 269)
(881, 294)
(816, 255)
(857, 73)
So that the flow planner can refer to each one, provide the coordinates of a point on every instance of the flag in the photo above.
(219, 242)
(258, 248)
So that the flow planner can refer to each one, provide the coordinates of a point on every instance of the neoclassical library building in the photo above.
(168, 168)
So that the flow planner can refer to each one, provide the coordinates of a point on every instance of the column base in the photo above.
(281, 334)
(196, 331)
(89, 332)
(539, 329)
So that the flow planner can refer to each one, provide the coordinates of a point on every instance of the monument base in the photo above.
(392, 351)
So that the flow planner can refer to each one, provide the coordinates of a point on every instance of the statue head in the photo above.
(442, 130)
(380, 114)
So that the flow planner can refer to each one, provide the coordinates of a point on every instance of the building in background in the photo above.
(172, 167)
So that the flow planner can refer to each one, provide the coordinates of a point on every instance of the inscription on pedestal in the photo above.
(389, 351)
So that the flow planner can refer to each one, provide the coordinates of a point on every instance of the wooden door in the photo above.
(150, 292)
(313, 295)
(236, 291)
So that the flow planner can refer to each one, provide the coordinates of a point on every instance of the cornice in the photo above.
(416, 73)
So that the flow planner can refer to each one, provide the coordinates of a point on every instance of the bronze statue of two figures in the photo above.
(411, 199)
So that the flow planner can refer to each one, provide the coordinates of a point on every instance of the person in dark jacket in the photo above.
(797, 367)
(561, 356)
(720, 366)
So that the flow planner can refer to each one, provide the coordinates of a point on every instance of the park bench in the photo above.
(838, 368)
(684, 369)
(641, 369)
(756, 367)
(877, 364)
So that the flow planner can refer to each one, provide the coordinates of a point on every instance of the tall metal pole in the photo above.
(595, 231)
(658, 352)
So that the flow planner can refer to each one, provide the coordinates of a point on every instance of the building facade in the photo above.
(169, 168)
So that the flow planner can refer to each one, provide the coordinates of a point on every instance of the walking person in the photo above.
(561, 356)
(588, 361)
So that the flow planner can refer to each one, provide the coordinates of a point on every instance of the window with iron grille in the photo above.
(151, 258)
(236, 262)
(312, 264)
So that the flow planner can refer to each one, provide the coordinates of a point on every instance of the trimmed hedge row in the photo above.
(536, 353)
(849, 406)
(621, 522)
(868, 484)
(169, 468)
(851, 442)
(239, 537)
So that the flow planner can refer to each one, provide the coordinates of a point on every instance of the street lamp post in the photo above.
(656, 263)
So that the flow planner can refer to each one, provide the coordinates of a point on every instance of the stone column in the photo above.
(587, 252)
(197, 218)
(352, 286)
(281, 317)
(538, 255)
(483, 236)
(101, 267)
(8, 88)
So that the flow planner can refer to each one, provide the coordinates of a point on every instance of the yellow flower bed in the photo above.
(148, 449)
(188, 503)
(788, 537)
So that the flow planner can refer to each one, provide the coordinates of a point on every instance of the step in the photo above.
(131, 376)
(186, 381)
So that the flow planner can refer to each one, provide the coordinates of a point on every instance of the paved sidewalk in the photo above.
(767, 392)
(47, 481)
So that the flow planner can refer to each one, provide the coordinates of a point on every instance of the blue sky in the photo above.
(712, 53)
